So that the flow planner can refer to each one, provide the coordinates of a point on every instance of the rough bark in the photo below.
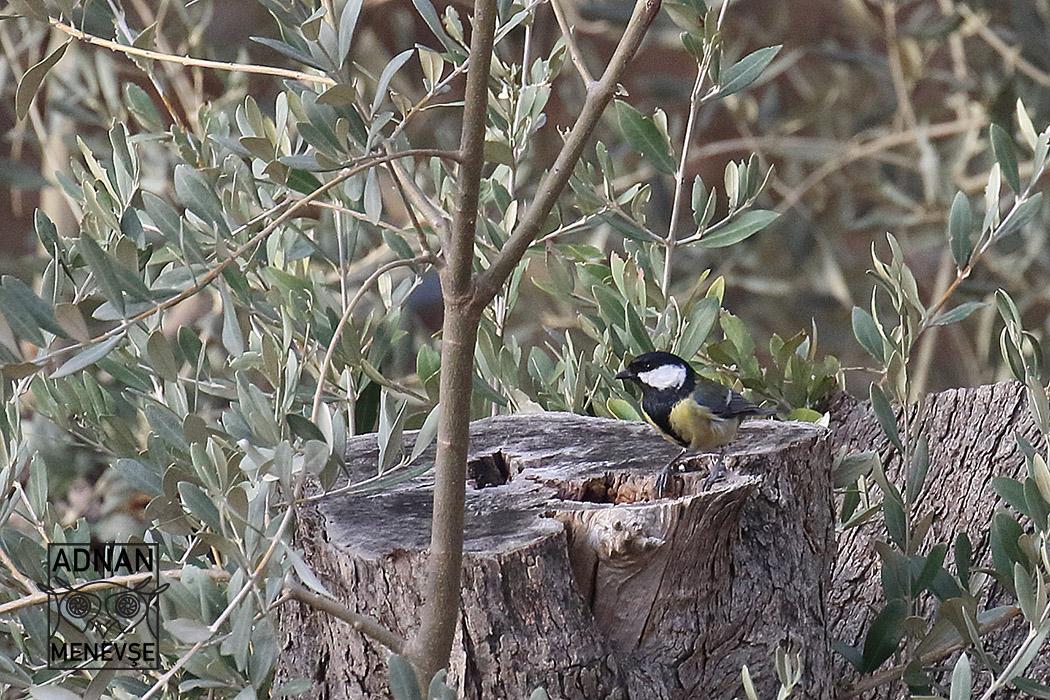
(971, 439)
(576, 577)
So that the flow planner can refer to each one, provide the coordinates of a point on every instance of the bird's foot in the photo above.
(663, 481)
(716, 472)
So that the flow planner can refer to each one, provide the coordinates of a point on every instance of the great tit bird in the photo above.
(693, 412)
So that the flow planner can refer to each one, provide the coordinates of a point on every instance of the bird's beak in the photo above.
(625, 374)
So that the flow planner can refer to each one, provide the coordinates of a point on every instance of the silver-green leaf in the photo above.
(30, 83)
(738, 228)
(347, 25)
(957, 314)
(867, 333)
(745, 71)
(387, 75)
(885, 415)
(960, 229)
(402, 679)
(199, 196)
(961, 679)
(641, 132)
(26, 313)
(88, 357)
(1005, 155)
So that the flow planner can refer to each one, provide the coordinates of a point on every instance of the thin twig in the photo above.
(421, 235)
(188, 60)
(1011, 54)
(40, 598)
(679, 176)
(893, 51)
(27, 583)
(122, 24)
(577, 225)
(802, 147)
(959, 100)
(963, 272)
(436, 217)
(360, 216)
(960, 71)
(362, 623)
(424, 102)
(570, 41)
(184, 90)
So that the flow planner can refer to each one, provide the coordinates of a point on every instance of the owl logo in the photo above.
(76, 606)
(125, 607)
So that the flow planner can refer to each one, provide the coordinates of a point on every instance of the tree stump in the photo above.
(576, 576)
(971, 441)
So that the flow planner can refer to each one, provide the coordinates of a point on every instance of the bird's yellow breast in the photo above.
(700, 428)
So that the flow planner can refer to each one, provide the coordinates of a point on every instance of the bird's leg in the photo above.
(664, 479)
(716, 473)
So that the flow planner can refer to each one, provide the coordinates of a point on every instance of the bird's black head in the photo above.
(659, 371)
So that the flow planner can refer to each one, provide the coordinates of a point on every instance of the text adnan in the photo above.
(106, 559)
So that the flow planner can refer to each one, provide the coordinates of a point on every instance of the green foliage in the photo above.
(925, 605)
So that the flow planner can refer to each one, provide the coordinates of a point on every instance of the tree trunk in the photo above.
(576, 577)
(971, 441)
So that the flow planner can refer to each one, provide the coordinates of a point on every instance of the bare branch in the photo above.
(1011, 54)
(570, 41)
(432, 644)
(362, 623)
(421, 235)
(188, 60)
(435, 216)
(873, 147)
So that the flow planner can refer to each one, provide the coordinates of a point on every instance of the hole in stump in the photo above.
(597, 489)
(489, 470)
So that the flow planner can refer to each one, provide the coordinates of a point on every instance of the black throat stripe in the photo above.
(657, 406)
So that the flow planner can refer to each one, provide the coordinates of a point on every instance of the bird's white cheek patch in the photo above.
(664, 377)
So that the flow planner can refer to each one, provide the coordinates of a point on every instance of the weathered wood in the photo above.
(971, 441)
(576, 577)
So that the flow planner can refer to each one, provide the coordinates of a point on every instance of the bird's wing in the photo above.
(722, 401)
